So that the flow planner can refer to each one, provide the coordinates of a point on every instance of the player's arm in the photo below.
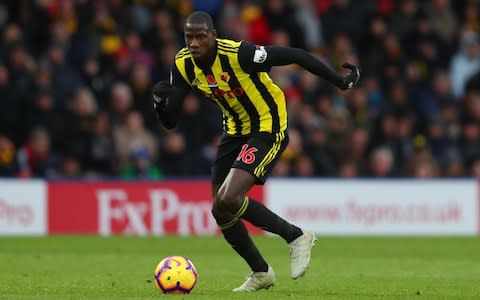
(254, 58)
(168, 97)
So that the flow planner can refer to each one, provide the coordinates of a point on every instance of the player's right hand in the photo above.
(351, 79)
(161, 91)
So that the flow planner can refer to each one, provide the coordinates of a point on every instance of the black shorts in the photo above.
(256, 154)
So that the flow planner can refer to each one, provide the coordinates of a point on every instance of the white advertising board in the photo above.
(23, 207)
(377, 207)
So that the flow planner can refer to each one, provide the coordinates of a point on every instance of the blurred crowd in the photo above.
(76, 79)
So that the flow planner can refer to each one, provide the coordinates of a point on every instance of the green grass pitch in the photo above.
(87, 267)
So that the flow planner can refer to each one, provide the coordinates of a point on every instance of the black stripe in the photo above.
(243, 99)
(226, 50)
(190, 69)
(226, 45)
(224, 103)
(182, 53)
(268, 100)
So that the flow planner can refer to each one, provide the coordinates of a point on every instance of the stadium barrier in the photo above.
(23, 207)
(378, 207)
(327, 207)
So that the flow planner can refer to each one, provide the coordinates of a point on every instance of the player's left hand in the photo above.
(351, 79)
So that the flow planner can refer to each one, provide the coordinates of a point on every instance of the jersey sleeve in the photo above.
(177, 79)
(170, 113)
(253, 58)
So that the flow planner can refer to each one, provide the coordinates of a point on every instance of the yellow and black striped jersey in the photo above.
(238, 82)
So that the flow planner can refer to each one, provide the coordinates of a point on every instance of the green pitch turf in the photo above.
(85, 267)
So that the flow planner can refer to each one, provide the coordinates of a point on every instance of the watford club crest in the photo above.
(225, 77)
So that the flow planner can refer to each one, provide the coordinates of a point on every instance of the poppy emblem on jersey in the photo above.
(225, 77)
(211, 81)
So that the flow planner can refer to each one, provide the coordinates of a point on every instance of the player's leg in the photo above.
(236, 233)
(300, 241)
(229, 205)
(262, 152)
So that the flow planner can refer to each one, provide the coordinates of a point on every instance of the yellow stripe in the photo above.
(257, 100)
(237, 215)
(270, 155)
(278, 96)
(229, 224)
(242, 209)
(266, 157)
(226, 49)
(182, 52)
(233, 102)
(229, 43)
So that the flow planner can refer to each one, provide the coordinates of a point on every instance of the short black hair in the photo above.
(200, 17)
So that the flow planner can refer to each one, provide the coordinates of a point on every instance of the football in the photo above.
(175, 275)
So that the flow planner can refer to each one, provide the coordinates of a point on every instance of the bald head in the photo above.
(200, 18)
(200, 36)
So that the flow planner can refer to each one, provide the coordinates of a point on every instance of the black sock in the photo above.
(237, 236)
(260, 216)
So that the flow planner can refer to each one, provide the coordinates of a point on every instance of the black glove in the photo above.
(161, 91)
(351, 79)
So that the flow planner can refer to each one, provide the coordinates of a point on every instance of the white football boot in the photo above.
(257, 281)
(300, 250)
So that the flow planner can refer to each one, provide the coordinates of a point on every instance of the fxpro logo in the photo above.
(163, 212)
(229, 94)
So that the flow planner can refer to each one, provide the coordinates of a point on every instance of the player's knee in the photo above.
(227, 201)
(219, 214)
(216, 214)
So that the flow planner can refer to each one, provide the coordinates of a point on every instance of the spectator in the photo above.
(173, 158)
(348, 169)
(120, 102)
(84, 67)
(381, 163)
(10, 112)
(403, 20)
(131, 136)
(282, 168)
(281, 16)
(8, 164)
(140, 166)
(70, 168)
(465, 62)
(311, 25)
(100, 156)
(443, 19)
(140, 83)
(36, 158)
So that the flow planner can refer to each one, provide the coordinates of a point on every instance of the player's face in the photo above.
(199, 40)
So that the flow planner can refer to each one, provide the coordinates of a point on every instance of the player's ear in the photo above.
(214, 33)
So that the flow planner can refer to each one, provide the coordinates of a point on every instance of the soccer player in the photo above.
(234, 76)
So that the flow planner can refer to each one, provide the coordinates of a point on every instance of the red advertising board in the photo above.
(138, 208)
